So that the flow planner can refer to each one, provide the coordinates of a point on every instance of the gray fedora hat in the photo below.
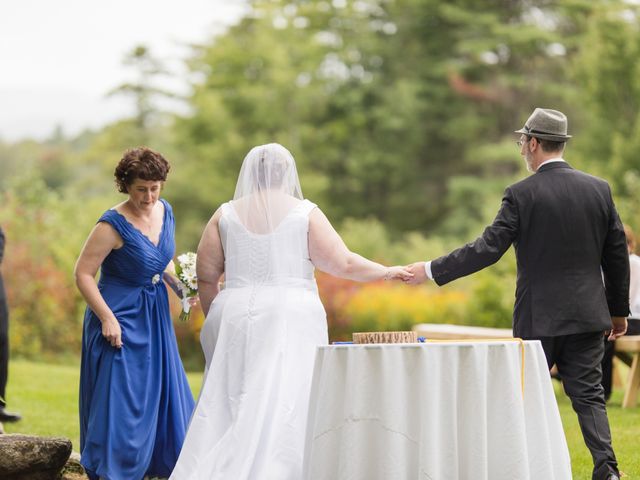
(546, 124)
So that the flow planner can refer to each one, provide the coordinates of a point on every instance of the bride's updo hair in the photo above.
(273, 162)
(268, 168)
(142, 163)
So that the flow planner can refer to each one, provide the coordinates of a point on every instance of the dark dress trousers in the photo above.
(572, 276)
(4, 329)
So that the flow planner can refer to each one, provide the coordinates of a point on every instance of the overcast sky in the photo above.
(59, 58)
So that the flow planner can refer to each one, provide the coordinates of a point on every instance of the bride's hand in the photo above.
(398, 273)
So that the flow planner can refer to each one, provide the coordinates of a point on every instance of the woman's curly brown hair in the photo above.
(142, 163)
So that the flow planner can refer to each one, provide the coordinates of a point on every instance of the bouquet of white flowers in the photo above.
(187, 282)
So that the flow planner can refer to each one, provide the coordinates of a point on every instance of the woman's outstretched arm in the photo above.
(329, 253)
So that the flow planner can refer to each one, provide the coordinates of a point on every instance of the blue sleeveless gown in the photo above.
(135, 402)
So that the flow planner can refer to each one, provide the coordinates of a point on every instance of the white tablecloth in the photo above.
(434, 411)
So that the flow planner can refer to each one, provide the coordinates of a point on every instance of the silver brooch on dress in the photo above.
(155, 279)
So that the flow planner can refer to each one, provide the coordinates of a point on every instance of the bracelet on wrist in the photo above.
(387, 274)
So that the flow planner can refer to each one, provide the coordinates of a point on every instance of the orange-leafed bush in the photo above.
(335, 294)
(384, 306)
(43, 304)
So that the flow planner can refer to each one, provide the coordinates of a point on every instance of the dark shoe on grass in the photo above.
(9, 416)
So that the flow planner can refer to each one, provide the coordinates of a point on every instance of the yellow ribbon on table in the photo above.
(473, 340)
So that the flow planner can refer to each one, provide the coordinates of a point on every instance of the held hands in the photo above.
(112, 332)
(618, 328)
(419, 275)
(413, 274)
(398, 273)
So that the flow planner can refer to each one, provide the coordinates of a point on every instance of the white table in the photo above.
(630, 344)
(441, 331)
(434, 411)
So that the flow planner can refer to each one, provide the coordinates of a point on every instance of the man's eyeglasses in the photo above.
(521, 142)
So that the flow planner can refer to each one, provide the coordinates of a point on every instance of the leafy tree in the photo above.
(606, 69)
(399, 113)
(378, 100)
(144, 88)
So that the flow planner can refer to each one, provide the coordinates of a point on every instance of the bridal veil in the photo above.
(268, 188)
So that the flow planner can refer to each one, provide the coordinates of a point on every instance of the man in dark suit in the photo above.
(573, 271)
(5, 416)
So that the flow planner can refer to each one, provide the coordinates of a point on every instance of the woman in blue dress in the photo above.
(135, 402)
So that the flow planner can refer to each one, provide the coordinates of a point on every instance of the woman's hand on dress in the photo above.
(398, 273)
(112, 332)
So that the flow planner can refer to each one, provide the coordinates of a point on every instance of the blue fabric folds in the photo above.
(135, 402)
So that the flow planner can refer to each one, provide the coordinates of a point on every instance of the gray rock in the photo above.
(25, 457)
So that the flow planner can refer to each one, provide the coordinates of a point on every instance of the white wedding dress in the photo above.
(259, 342)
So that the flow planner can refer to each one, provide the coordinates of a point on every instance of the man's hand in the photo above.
(398, 273)
(419, 274)
(618, 328)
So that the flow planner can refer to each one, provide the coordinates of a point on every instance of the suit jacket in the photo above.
(572, 258)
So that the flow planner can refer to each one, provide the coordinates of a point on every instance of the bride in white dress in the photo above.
(261, 329)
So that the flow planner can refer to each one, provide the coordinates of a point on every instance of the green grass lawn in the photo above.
(625, 431)
(47, 397)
